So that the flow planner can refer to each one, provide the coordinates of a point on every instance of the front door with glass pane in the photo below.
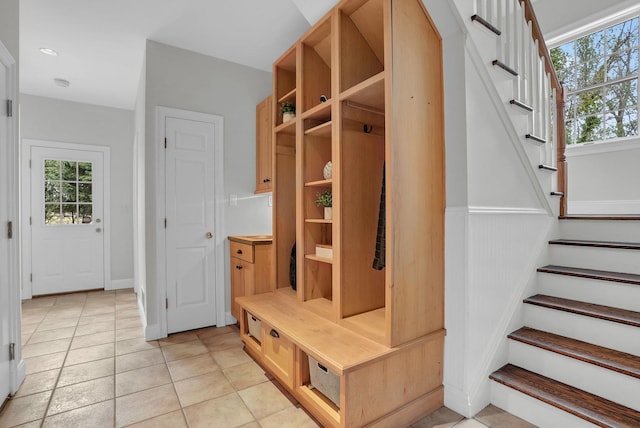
(67, 231)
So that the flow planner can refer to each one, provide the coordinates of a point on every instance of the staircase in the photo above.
(576, 361)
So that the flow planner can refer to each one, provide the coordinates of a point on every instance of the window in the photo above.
(600, 75)
(67, 192)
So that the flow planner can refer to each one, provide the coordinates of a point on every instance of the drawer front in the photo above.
(278, 354)
(241, 251)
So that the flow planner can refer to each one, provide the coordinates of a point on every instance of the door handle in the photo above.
(98, 230)
(209, 235)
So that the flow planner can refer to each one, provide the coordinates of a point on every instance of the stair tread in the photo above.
(603, 244)
(585, 405)
(603, 275)
(600, 217)
(622, 316)
(611, 359)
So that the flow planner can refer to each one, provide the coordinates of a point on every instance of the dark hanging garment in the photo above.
(292, 267)
(381, 238)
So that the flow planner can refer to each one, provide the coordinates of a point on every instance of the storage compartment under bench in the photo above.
(325, 381)
(255, 327)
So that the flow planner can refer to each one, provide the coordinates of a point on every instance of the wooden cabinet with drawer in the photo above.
(278, 354)
(250, 264)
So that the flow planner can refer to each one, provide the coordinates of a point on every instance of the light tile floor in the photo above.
(88, 365)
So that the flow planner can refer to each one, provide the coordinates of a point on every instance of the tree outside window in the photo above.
(67, 192)
(600, 75)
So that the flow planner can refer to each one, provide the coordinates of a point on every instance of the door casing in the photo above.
(162, 113)
(9, 177)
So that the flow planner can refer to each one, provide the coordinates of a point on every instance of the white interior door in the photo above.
(190, 216)
(5, 321)
(67, 229)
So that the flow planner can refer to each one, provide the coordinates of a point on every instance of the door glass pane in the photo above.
(52, 170)
(52, 214)
(68, 192)
(52, 191)
(85, 212)
(84, 172)
(84, 192)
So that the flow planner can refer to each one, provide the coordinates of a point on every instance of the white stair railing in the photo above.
(521, 51)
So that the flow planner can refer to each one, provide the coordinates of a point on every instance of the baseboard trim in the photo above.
(457, 400)
(604, 207)
(229, 319)
(119, 284)
(18, 375)
(153, 332)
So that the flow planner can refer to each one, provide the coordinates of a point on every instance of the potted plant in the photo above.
(288, 111)
(323, 199)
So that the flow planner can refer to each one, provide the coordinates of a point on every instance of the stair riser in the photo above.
(609, 334)
(533, 410)
(610, 259)
(618, 295)
(601, 230)
(599, 381)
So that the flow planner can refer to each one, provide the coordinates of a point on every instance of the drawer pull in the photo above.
(266, 180)
(323, 368)
(239, 252)
(239, 267)
(254, 319)
(274, 333)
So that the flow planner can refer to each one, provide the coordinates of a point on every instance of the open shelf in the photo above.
(288, 127)
(361, 42)
(318, 220)
(322, 130)
(321, 112)
(367, 94)
(319, 183)
(318, 259)
(288, 97)
(316, 64)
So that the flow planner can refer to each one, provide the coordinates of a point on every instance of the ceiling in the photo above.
(101, 42)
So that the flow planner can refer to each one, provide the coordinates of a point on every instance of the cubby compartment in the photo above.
(316, 65)
(284, 203)
(320, 384)
(363, 152)
(284, 80)
(254, 327)
(361, 42)
(318, 272)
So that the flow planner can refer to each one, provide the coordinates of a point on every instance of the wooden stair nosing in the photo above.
(611, 359)
(607, 313)
(599, 244)
(602, 275)
(587, 406)
(477, 18)
(600, 217)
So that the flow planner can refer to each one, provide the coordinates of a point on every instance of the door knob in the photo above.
(209, 235)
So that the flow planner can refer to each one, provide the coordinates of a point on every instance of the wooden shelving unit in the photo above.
(367, 83)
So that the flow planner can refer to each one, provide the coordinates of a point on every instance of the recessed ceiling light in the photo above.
(61, 82)
(48, 51)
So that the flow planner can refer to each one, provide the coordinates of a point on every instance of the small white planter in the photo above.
(286, 117)
(328, 213)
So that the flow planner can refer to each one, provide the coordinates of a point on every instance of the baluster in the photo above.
(507, 24)
(518, 25)
(490, 11)
(502, 41)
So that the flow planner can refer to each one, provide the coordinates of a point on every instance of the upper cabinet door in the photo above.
(263, 146)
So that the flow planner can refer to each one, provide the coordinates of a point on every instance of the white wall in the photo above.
(497, 221)
(186, 80)
(604, 178)
(9, 31)
(71, 122)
